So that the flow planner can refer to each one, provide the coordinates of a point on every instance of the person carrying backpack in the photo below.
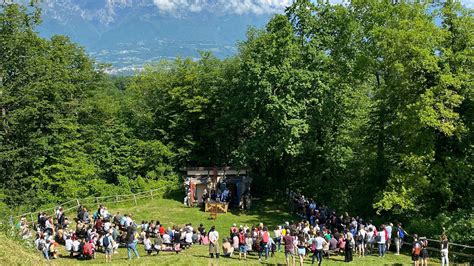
(416, 250)
(399, 238)
(108, 246)
(42, 246)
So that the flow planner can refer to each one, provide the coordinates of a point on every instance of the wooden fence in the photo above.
(74, 204)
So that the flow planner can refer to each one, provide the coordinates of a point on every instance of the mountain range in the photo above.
(131, 33)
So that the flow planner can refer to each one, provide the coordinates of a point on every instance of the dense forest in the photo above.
(368, 107)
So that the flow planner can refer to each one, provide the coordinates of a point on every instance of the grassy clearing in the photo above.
(171, 212)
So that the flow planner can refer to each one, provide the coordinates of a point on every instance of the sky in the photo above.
(235, 6)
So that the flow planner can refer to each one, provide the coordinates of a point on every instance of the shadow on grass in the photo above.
(175, 193)
(267, 211)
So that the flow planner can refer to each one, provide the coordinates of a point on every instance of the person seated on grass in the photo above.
(158, 243)
(42, 246)
(166, 239)
(161, 228)
(99, 224)
(341, 244)
(227, 248)
(248, 241)
(85, 216)
(151, 229)
(87, 250)
(75, 247)
(188, 238)
(333, 245)
(68, 246)
(148, 245)
(117, 218)
(79, 213)
(195, 237)
(177, 239)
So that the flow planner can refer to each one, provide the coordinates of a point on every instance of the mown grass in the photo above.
(171, 212)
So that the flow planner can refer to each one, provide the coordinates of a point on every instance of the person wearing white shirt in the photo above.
(188, 237)
(213, 242)
(107, 226)
(69, 245)
(148, 245)
(370, 240)
(128, 221)
(277, 233)
(389, 229)
(75, 245)
(166, 239)
(361, 235)
(320, 242)
(381, 241)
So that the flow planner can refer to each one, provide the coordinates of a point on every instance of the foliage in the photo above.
(62, 134)
(367, 106)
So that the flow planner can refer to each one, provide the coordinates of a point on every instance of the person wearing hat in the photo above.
(233, 230)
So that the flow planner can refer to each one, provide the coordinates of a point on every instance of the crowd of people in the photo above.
(104, 232)
(319, 234)
(348, 234)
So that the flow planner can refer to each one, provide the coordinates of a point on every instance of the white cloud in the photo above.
(255, 6)
(239, 6)
(232, 6)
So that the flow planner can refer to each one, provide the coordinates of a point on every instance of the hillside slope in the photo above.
(13, 253)
(172, 212)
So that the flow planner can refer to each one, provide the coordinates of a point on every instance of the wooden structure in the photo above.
(214, 180)
(216, 207)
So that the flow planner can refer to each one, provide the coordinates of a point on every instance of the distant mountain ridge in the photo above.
(131, 33)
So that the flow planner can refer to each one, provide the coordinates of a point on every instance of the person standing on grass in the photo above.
(108, 246)
(424, 251)
(399, 238)
(278, 236)
(444, 250)
(242, 244)
(361, 239)
(381, 240)
(348, 247)
(264, 238)
(131, 242)
(319, 243)
(416, 250)
(370, 240)
(289, 247)
(213, 242)
(301, 246)
(389, 231)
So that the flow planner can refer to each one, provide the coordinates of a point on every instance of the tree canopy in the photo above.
(368, 107)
